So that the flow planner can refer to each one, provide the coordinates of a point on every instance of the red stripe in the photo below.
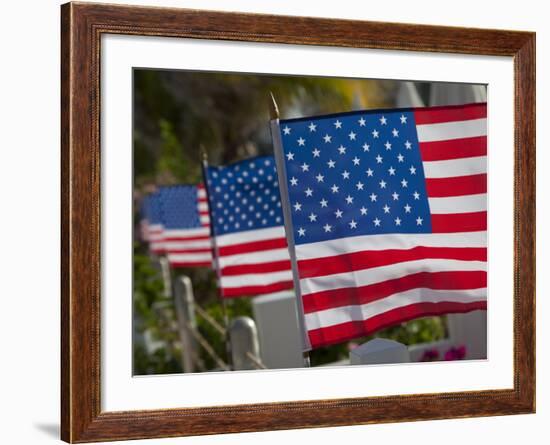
(253, 246)
(454, 149)
(197, 250)
(186, 238)
(456, 280)
(189, 264)
(434, 115)
(204, 212)
(457, 186)
(459, 222)
(348, 331)
(243, 269)
(230, 292)
(368, 259)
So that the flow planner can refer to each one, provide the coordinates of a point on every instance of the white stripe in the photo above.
(352, 244)
(155, 228)
(250, 235)
(261, 279)
(201, 192)
(455, 167)
(186, 233)
(203, 206)
(194, 244)
(458, 204)
(261, 257)
(205, 219)
(452, 130)
(335, 316)
(189, 257)
(380, 274)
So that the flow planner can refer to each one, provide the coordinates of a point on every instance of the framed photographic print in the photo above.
(279, 222)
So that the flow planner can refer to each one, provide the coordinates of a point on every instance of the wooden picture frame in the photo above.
(82, 26)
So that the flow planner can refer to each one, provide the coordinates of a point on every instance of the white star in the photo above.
(356, 160)
(403, 119)
(387, 145)
(363, 210)
(383, 120)
(335, 188)
(345, 174)
(286, 130)
(297, 207)
(362, 122)
(331, 163)
(369, 172)
(408, 145)
(373, 197)
(320, 178)
(375, 134)
(379, 159)
(382, 184)
(305, 167)
(309, 192)
(338, 124)
(419, 221)
(397, 221)
(349, 199)
(342, 149)
(407, 208)
(323, 202)
(359, 186)
(301, 231)
(290, 156)
(301, 141)
(352, 136)
(327, 138)
(338, 213)
(293, 181)
(391, 171)
(327, 227)
(316, 152)
(386, 209)
(312, 127)
(395, 133)
(404, 183)
(416, 195)
(352, 224)
(395, 196)
(366, 147)
(376, 222)
(312, 217)
(412, 170)
(400, 157)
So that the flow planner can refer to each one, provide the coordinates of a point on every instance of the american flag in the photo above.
(186, 225)
(151, 223)
(247, 223)
(387, 216)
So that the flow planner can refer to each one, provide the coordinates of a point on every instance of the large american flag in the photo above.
(247, 226)
(151, 223)
(186, 225)
(387, 216)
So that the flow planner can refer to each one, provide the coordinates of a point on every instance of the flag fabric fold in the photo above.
(247, 228)
(387, 216)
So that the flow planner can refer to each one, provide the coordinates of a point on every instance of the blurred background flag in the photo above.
(151, 223)
(186, 234)
(248, 231)
(387, 216)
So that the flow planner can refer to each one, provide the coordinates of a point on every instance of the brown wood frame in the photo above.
(82, 26)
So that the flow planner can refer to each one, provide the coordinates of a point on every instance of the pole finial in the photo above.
(273, 108)
(204, 154)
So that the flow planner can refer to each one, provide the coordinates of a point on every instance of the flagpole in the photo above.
(281, 173)
(215, 256)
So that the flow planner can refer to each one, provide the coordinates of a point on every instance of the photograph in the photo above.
(305, 221)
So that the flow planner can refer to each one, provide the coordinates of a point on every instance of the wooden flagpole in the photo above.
(215, 257)
(281, 174)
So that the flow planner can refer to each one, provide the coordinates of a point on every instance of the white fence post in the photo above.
(185, 311)
(245, 349)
